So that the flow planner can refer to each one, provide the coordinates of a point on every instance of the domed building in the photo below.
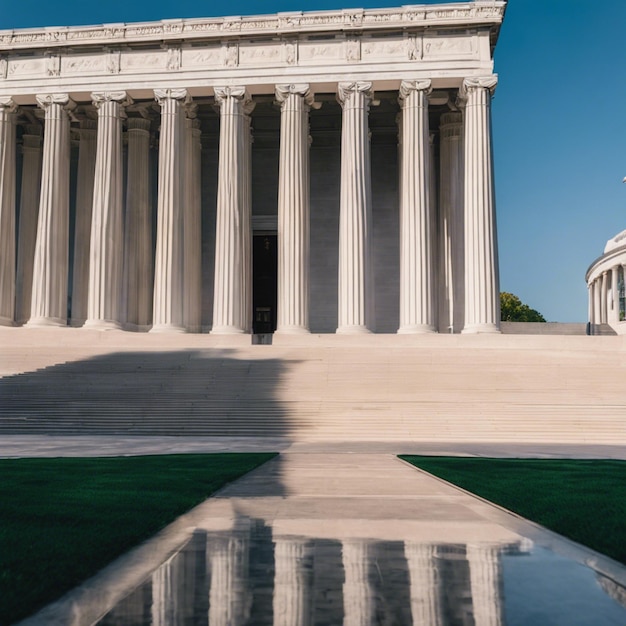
(605, 281)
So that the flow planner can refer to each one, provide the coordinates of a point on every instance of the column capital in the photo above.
(347, 89)
(8, 104)
(45, 100)
(100, 97)
(238, 92)
(408, 86)
(478, 82)
(172, 94)
(283, 91)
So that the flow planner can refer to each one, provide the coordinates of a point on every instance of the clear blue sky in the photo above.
(559, 122)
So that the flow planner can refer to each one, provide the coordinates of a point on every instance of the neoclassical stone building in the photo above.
(605, 281)
(301, 172)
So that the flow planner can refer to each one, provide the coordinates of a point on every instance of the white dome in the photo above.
(615, 242)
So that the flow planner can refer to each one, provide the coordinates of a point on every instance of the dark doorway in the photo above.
(264, 282)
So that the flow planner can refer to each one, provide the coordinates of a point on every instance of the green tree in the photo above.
(514, 310)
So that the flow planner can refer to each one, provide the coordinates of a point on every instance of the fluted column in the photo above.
(293, 209)
(29, 209)
(231, 301)
(8, 148)
(597, 302)
(425, 593)
(590, 307)
(614, 294)
(246, 221)
(106, 251)
(193, 228)
(82, 228)
(138, 262)
(486, 584)
(604, 297)
(50, 267)
(356, 304)
(293, 580)
(417, 304)
(169, 261)
(451, 242)
(358, 595)
(166, 591)
(482, 289)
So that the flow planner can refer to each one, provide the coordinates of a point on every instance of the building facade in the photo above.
(300, 172)
(605, 282)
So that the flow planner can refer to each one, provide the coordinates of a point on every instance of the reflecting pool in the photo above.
(253, 573)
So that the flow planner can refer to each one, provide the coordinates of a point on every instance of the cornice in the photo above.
(469, 14)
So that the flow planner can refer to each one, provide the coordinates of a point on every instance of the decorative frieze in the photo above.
(480, 12)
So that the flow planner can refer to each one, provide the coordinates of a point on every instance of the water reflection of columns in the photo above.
(425, 601)
(486, 580)
(165, 588)
(358, 595)
(229, 598)
(293, 580)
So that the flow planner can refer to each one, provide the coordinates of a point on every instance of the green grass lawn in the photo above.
(62, 520)
(584, 500)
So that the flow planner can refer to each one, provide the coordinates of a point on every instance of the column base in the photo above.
(227, 330)
(95, 324)
(76, 323)
(6, 321)
(167, 328)
(292, 330)
(474, 329)
(416, 329)
(353, 330)
(45, 322)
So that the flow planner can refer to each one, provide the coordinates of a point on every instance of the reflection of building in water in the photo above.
(251, 576)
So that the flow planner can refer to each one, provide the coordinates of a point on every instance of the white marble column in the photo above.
(451, 243)
(29, 209)
(417, 301)
(614, 317)
(293, 209)
(8, 149)
(139, 271)
(293, 580)
(425, 593)
(356, 298)
(590, 306)
(193, 228)
(358, 596)
(597, 303)
(50, 267)
(486, 582)
(232, 285)
(82, 228)
(604, 297)
(482, 289)
(106, 250)
(246, 221)
(169, 261)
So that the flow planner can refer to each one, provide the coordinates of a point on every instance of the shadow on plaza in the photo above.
(187, 392)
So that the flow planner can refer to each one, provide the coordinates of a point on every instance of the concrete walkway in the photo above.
(356, 495)
(12, 446)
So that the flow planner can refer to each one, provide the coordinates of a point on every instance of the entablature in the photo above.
(445, 43)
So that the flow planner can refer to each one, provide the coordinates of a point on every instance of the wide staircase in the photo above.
(510, 388)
